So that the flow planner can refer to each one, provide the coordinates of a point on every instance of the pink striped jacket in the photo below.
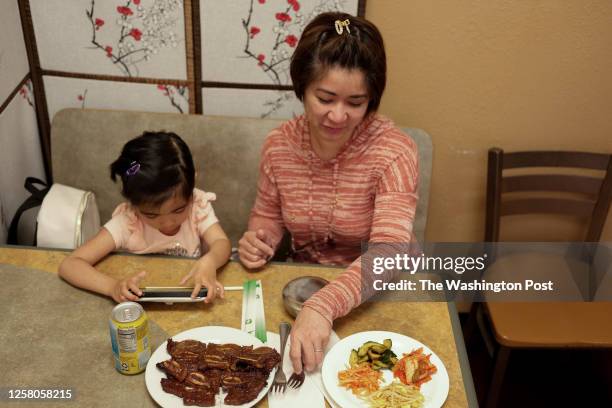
(367, 193)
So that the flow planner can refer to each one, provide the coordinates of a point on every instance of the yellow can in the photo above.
(129, 331)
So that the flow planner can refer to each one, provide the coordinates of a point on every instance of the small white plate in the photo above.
(435, 391)
(206, 334)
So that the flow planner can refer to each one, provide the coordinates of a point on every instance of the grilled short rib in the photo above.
(197, 371)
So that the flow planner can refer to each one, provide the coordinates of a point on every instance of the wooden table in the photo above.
(433, 323)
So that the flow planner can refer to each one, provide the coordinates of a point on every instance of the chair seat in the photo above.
(550, 324)
(544, 322)
(570, 276)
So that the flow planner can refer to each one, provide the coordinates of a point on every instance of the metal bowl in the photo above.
(297, 291)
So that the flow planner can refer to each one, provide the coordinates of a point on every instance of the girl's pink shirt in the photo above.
(131, 234)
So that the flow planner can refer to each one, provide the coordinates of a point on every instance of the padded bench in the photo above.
(226, 153)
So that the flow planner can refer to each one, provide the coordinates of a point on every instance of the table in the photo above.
(433, 323)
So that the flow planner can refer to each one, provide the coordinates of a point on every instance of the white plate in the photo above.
(435, 391)
(207, 334)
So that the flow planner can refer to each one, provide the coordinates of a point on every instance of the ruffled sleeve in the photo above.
(202, 213)
(124, 226)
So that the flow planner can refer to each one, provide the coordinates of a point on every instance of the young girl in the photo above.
(164, 214)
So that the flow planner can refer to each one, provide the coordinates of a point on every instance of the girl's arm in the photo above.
(78, 269)
(204, 271)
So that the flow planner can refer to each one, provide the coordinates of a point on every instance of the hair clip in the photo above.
(340, 25)
(133, 169)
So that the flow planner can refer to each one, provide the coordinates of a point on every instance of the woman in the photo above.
(335, 177)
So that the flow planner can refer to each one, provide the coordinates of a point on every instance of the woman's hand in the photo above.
(128, 289)
(309, 337)
(254, 249)
(204, 274)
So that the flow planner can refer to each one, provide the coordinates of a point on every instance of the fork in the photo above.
(280, 380)
(296, 380)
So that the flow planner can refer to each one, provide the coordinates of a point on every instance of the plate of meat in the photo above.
(211, 366)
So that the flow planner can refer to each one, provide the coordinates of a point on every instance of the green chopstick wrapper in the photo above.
(253, 316)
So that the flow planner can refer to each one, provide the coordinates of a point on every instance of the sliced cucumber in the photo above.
(354, 358)
(363, 350)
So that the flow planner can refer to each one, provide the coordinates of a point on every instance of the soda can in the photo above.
(129, 331)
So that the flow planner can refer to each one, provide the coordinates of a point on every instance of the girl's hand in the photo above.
(309, 337)
(128, 289)
(254, 250)
(204, 274)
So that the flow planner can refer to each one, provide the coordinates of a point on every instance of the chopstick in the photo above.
(232, 288)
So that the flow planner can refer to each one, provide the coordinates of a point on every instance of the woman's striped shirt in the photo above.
(367, 193)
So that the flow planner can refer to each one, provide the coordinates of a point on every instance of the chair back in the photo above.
(548, 182)
(425, 148)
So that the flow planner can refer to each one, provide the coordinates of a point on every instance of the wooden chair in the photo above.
(515, 325)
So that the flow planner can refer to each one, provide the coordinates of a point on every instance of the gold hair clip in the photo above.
(340, 25)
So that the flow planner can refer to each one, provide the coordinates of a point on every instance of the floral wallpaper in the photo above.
(133, 38)
(258, 41)
(112, 38)
(146, 41)
(91, 93)
(258, 37)
(138, 34)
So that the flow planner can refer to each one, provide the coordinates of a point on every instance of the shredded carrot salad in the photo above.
(414, 368)
(361, 379)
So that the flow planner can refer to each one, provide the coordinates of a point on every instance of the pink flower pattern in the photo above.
(254, 31)
(173, 93)
(289, 23)
(284, 17)
(27, 92)
(136, 33)
(82, 98)
(126, 11)
(143, 31)
(291, 40)
(295, 4)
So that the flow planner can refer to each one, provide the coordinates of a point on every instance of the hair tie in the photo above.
(133, 169)
(340, 25)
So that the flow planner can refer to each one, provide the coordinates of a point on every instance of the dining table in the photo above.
(56, 336)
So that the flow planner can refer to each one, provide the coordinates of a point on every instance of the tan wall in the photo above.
(517, 74)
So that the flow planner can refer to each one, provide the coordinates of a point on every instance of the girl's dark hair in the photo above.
(321, 47)
(153, 167)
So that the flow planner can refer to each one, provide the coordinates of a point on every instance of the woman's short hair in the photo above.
(359, 46)
(153, 167)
